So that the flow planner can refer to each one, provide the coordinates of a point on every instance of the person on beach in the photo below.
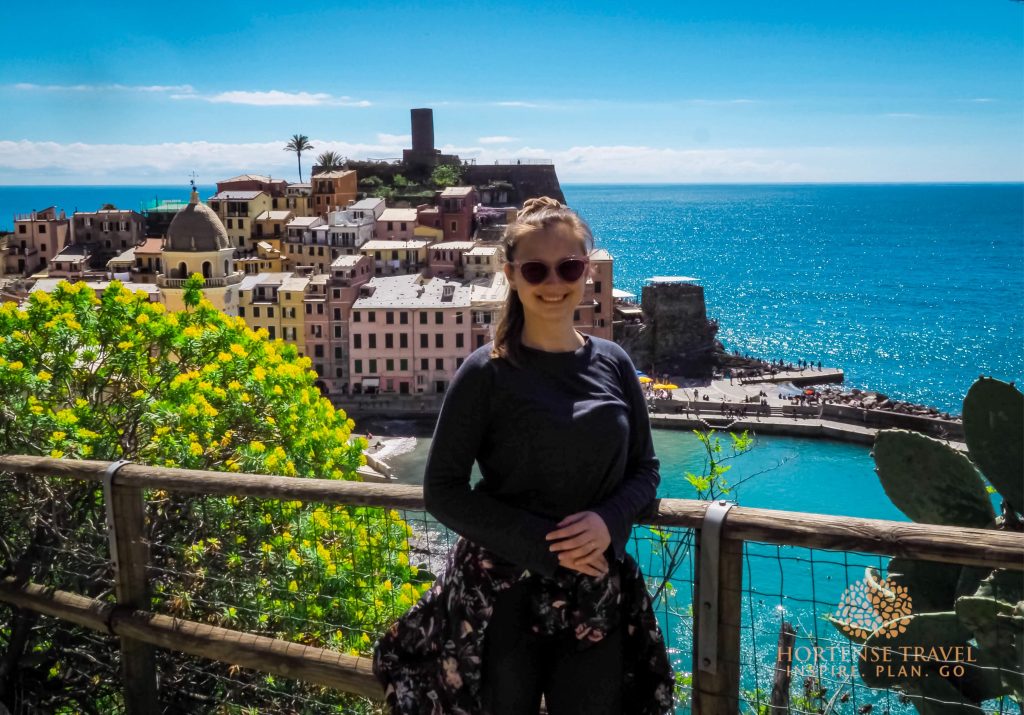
(539, 596)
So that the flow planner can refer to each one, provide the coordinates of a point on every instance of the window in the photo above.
(455, 225)
(373, 341)
(439, 317)
(230, 223)
(318, 351)
(597, 286)
(389, 317)
(357, 317)
(337, 372)
(337, 293)
(403, 225)
(389, 341)
(359, 366)
(479, 341)
(372, 316)
(439, 340)
(424, 340)
(389, 365)
(337, 353)
(458, 318)
(241, 223)
(458, 363)
(439, 364)
(337, 331)
(458, 340)
(403, 365)
(270, 330)
(391, 225)
(320, 308)
(241, 311)
(270, 312)
(424, 364)
(403, 318)
(256, 312)
(373, 367)
(423, 317)
(309, 308)
(337, 313)
(403, 340)
(22, 228)
(357, 341)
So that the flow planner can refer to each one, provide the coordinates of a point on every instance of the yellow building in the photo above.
(392, 258)
(267, 259)
(238, 211)
(293, 311)
(259, 302)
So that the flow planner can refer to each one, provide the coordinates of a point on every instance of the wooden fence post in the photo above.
(126, 514)
(718, 693)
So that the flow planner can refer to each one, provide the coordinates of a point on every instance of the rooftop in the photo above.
(483, 251)
(454, 245)
(268, 279)
(457, 191)
(346, 261)
(304, 221)
(385, 245)
(235, 196)
(601, 254)
(150, 245)
(274, 216)
(398, 215)
(672, 279)
(336, 174)
(252, 177)
(366, 204)
(490, 289)
(412, 291)
(127, 256)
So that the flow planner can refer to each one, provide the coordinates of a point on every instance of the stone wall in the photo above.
(677, 338)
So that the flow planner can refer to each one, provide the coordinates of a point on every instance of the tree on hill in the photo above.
(298, 144)
(446, 175)
(118, 377)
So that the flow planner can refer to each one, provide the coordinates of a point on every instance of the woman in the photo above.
(539, 596)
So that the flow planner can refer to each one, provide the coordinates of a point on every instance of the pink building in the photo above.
(348, 274)
(37, 238)
(447, 258)
(317, 326)
(457, 205)
(396, 225)
(408, 334)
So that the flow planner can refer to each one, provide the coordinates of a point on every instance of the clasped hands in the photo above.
(580, 542)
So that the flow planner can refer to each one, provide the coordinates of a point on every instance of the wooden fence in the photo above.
(713, 693)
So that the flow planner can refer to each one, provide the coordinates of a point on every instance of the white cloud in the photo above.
(30, 87)
(27, 162)
(403, 140)
(275, 98)
(497, 140)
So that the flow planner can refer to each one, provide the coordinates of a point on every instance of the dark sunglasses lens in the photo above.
(571, 270)
(533, 271)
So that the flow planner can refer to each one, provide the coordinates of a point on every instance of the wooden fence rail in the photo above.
(139, 630)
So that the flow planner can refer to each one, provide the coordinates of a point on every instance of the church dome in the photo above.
(196, 228)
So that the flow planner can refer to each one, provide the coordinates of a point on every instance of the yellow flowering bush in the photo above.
(117, 377)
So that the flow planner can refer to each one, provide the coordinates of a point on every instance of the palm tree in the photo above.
(299, 144)
(330, 160)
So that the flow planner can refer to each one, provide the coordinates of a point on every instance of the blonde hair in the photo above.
(540, 214)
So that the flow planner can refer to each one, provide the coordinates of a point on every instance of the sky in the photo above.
(612, 92)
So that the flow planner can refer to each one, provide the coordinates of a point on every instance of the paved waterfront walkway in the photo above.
(734, 391)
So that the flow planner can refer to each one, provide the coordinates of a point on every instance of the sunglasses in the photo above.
(536, 272)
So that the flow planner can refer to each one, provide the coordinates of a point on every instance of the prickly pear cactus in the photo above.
(993, 425)
(931, 482)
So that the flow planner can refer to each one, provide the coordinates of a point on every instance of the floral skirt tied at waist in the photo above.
(429, 661)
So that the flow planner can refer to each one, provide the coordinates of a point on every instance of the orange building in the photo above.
(332, 190)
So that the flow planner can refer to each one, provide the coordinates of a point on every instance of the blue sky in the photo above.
(636, 92)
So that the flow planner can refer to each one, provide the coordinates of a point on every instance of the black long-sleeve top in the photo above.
(560, 433)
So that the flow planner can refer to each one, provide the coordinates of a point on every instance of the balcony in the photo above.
(163, 281)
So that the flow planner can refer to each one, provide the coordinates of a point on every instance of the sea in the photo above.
(914, 290)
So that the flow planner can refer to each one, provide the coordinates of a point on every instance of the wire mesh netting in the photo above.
(335, 576)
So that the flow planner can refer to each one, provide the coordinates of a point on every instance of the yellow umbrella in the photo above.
(644, 379)
(659, 386)
(669, 386)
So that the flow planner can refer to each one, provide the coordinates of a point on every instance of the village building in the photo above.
(446, 258)
(458, 204)
(148, 260)
(197, 242)
(482, 260)
(275, 188)
(348, 274)
(298, 198)
(332, 190)
(397, 224)
(391, 258)
(237, 211)
(408, 334)
(38, 237)
(487, 300)
(107, 233)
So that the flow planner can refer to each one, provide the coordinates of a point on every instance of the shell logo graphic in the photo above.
(874, 606)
